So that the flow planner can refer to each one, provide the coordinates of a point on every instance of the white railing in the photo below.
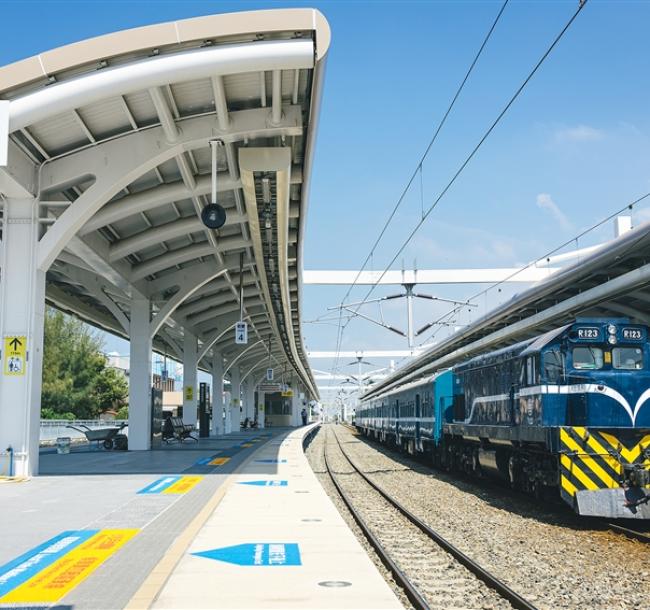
(51, 429)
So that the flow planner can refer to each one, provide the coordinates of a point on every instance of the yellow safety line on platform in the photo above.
(153, 584)
(220, 461)
(183, 485)
(74, 567)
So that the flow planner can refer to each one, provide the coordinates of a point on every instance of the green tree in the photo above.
(75, 375)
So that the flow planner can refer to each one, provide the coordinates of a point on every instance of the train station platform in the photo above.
(239, 521)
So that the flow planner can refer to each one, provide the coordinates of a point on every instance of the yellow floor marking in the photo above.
(66, 573)
(183, 485)
(247, 445)
(219, 461)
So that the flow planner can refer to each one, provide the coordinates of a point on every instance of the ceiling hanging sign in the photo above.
(241, 333)
(269, 374)
(4, 133)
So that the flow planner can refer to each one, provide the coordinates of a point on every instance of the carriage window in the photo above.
(587, 358)
(627, 358)
(553, 365)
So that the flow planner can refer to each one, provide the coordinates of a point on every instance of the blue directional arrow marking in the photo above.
(265, 483)
(256, 554)
(271, 461)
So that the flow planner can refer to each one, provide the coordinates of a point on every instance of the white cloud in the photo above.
(545, 202)
(579, 133)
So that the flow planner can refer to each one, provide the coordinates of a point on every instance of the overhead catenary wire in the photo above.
(602, 221)
(476, 148)
(418, 168)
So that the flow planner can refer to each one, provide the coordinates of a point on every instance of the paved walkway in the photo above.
(172, 529)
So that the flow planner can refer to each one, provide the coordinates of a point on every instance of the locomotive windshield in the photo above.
(629, 358)
(587, 358)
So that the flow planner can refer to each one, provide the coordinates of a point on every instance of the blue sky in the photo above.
(572, 149)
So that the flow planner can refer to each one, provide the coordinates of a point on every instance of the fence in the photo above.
(51, 429)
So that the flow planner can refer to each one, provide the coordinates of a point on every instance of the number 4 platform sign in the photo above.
(241, 333)
(15, 351)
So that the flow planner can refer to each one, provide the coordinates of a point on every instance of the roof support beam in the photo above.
(238, 357)
(159, 71)
(192, 283)
(117, 163)
(226, 323)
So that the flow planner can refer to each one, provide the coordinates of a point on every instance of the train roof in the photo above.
(409, 386)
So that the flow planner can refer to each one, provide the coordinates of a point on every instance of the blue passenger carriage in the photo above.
(569, 409)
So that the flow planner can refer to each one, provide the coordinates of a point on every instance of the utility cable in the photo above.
(474, 150)
(418, 168)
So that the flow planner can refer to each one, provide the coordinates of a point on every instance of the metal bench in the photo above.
(181, 430)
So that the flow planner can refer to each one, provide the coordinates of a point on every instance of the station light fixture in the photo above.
(213, 215)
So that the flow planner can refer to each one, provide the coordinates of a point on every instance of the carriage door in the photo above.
(396, 419)
(418, 415)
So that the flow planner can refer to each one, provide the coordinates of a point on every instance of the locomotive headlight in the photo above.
(611, 329)
(612, 339)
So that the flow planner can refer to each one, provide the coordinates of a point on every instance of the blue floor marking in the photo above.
(271, 461)
(21, 569)
(266, 483)
(256, 554)
(160, 485)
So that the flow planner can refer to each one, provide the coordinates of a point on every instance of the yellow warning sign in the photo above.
(66, 573)
(183, 485)
(219, 461)
(189, 392)
(15, 351)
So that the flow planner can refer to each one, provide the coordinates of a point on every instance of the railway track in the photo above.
(630, 532)
(432, 572)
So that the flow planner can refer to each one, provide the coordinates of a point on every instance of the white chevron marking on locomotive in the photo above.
(591, 388)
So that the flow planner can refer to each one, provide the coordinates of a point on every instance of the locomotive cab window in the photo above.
(630, 358)
(589, 358)
(554, 365)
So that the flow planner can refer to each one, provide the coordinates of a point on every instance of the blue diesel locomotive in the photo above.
(568, 410)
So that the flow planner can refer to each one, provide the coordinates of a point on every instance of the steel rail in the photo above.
(630, 533)
(491, 581)
(400, 578)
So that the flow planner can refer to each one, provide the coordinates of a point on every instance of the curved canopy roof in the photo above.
(112, 134)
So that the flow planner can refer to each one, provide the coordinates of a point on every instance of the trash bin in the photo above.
(63, 445)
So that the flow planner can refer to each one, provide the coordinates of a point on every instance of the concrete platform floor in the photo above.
(162, 525)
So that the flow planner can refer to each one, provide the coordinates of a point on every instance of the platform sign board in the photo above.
(241, 333)
(269, 388)
(256, 554)
(269, 374)
(15, 355)
(4, 132)
(287, 393)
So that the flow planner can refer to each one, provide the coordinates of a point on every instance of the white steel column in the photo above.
(140, 375)
(296, 405)
(235, 399)
(22, 313)
(249, 402)
(217, 394)
(261, 410)
(190, 364)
